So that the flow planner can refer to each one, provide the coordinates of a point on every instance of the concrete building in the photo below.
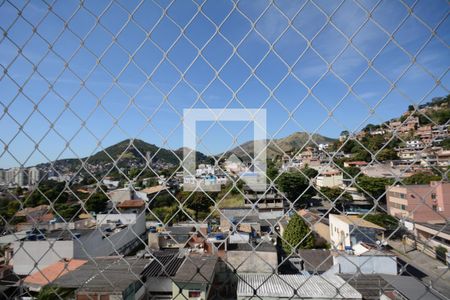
(364, 259)
(33, 176)
(420, 203)
(330, 178)
(245, 258)
(432, 235)
(38, 251)
(194, 278)
(347, 231)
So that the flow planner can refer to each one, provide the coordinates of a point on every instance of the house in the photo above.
(312, 261)
(152, 192)
(294, 286)
(194, 277)
(37, 280)
(260, 258)
(240, 219)
(330, 178)
(157, 276)
(347, 231)
(432, 235)
(266, 201)
(171, 237)
(51, 246)
(108, 278)
(420, 202)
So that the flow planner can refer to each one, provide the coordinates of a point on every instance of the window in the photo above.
(194, 294)
(433, 196)
(397, 195)
(434, 207)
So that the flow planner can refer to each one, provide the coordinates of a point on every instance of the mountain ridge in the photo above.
(134, 151)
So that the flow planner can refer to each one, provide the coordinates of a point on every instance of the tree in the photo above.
(49, 292)
(97, 202)
(446, 144)
(272, 170)
(345, 133)
(421, 178)
(199, 202)
(350, 172)
(373, 186)
(441, 253)
(297, 235)
(310, 172)
(386, 221)
(387, 154)
(337, 194)
(293, 184)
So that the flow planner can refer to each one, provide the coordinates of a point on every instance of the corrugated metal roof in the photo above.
(163, 265)
(315, 286)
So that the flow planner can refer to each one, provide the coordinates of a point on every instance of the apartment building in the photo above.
(421, 202)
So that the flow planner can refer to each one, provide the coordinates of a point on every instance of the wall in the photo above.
(27, 252)
(111, 218)
(322, 230)
(181, 290)
(339, 229)
(253, 262)
(348, 264)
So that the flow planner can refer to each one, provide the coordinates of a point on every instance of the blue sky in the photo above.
(155, 64)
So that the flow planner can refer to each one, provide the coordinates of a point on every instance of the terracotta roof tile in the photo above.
(53, 272)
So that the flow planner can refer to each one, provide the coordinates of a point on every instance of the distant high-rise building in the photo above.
(2, 176)
(17, 176)
(33, 176)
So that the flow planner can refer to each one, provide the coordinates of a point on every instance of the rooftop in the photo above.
(131, 204)
(106, 274)
(357, 221)
(26, 211)
(370, 285)
(154, 189)
(165, 264)
(262, 247)
(197, 269)
(410, 287)
(62, 234)
(444, 228)
(288, 286)
(52, 272)
(316, 260)
(9, 238)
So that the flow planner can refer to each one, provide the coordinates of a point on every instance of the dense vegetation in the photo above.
(297, 235)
